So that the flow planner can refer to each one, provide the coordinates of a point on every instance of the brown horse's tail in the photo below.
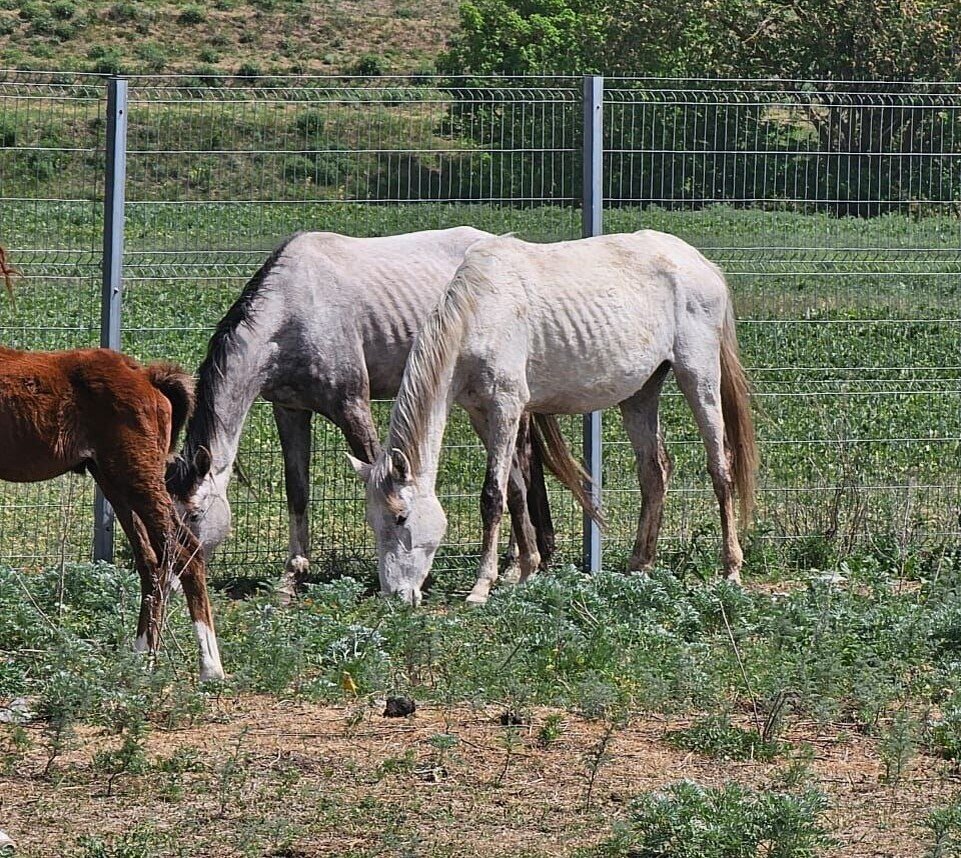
(738, 423)
(555, 454)
(8, 272)
(178, 387)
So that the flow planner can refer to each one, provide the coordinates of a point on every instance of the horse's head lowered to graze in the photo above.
(407, 520)
(200, 496)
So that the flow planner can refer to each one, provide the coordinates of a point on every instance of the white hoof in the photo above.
(6, 842)
(480, 593)
(212, 673)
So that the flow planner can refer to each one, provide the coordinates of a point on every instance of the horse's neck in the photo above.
(227, 390)
(434, 413)
(433, 440)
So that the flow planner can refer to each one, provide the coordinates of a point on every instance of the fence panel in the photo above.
(218, 176)
(834, 211)
(51, 222)
(833, 208)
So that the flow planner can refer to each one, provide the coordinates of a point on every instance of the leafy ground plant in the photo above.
(716, 736)
(691, 821)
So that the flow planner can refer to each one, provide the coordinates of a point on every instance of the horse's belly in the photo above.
(578, 399)
(591, 378)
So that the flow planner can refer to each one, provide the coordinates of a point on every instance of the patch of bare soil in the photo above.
(269, 777)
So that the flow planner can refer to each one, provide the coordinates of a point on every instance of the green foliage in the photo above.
(63, 9)
(141, 842)
(105, 60)
(153, 56)
(191, 15)
(369, 65)
(944, 826)
(691, 821)
(716, 736)
(897, 746)
(531, 36)
(740, 38)
(129, 759)
(249, 69)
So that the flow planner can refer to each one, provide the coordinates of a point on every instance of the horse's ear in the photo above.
(400, 468)
(362, 469)
(202, 462)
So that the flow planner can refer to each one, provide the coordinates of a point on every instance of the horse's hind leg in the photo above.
(701, 387)
(146, 562)
(293, 426)
(640, 414)
(538, 504)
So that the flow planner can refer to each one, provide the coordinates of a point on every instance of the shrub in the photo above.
(124, 11)
(716, 736)
(63, 9)
(369, 65)
(191, 15)
(153, 56)
(691, 821)
(249, 69)
(106, 60)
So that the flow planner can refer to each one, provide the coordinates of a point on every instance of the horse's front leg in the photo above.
(293, 426)
(190, 565)
(500, 438)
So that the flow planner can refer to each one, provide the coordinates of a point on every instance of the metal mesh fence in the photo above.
(51, 187)
(833, 208)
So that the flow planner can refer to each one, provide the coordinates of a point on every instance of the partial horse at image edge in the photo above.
(8, 272)
(100, 411)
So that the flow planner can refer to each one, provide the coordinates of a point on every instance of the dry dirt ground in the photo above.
(283, 778)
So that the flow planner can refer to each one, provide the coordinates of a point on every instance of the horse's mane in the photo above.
(222, 347)
(434, 350)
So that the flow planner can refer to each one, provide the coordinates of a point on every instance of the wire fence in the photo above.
(833, 208)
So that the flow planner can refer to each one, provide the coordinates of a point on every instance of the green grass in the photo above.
(608, 647)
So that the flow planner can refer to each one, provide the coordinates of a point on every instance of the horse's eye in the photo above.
(401, 520)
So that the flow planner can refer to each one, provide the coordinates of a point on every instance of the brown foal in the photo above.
(100, 411)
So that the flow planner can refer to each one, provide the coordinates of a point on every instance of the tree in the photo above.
(842, 44)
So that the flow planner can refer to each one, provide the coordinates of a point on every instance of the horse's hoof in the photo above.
(212, 673)
(6, 843)
(512, 574)
(478, 596)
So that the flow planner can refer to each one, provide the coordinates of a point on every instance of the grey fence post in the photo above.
(592, 210)
(112, 284)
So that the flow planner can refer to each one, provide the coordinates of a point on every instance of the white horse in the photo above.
(325, 324)
(570, 327)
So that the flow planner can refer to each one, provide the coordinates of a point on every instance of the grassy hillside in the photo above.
(224, 36)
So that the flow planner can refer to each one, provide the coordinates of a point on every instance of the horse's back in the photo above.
(359, 302)
(590, 319)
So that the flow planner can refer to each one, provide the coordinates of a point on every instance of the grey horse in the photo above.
(324, 325)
